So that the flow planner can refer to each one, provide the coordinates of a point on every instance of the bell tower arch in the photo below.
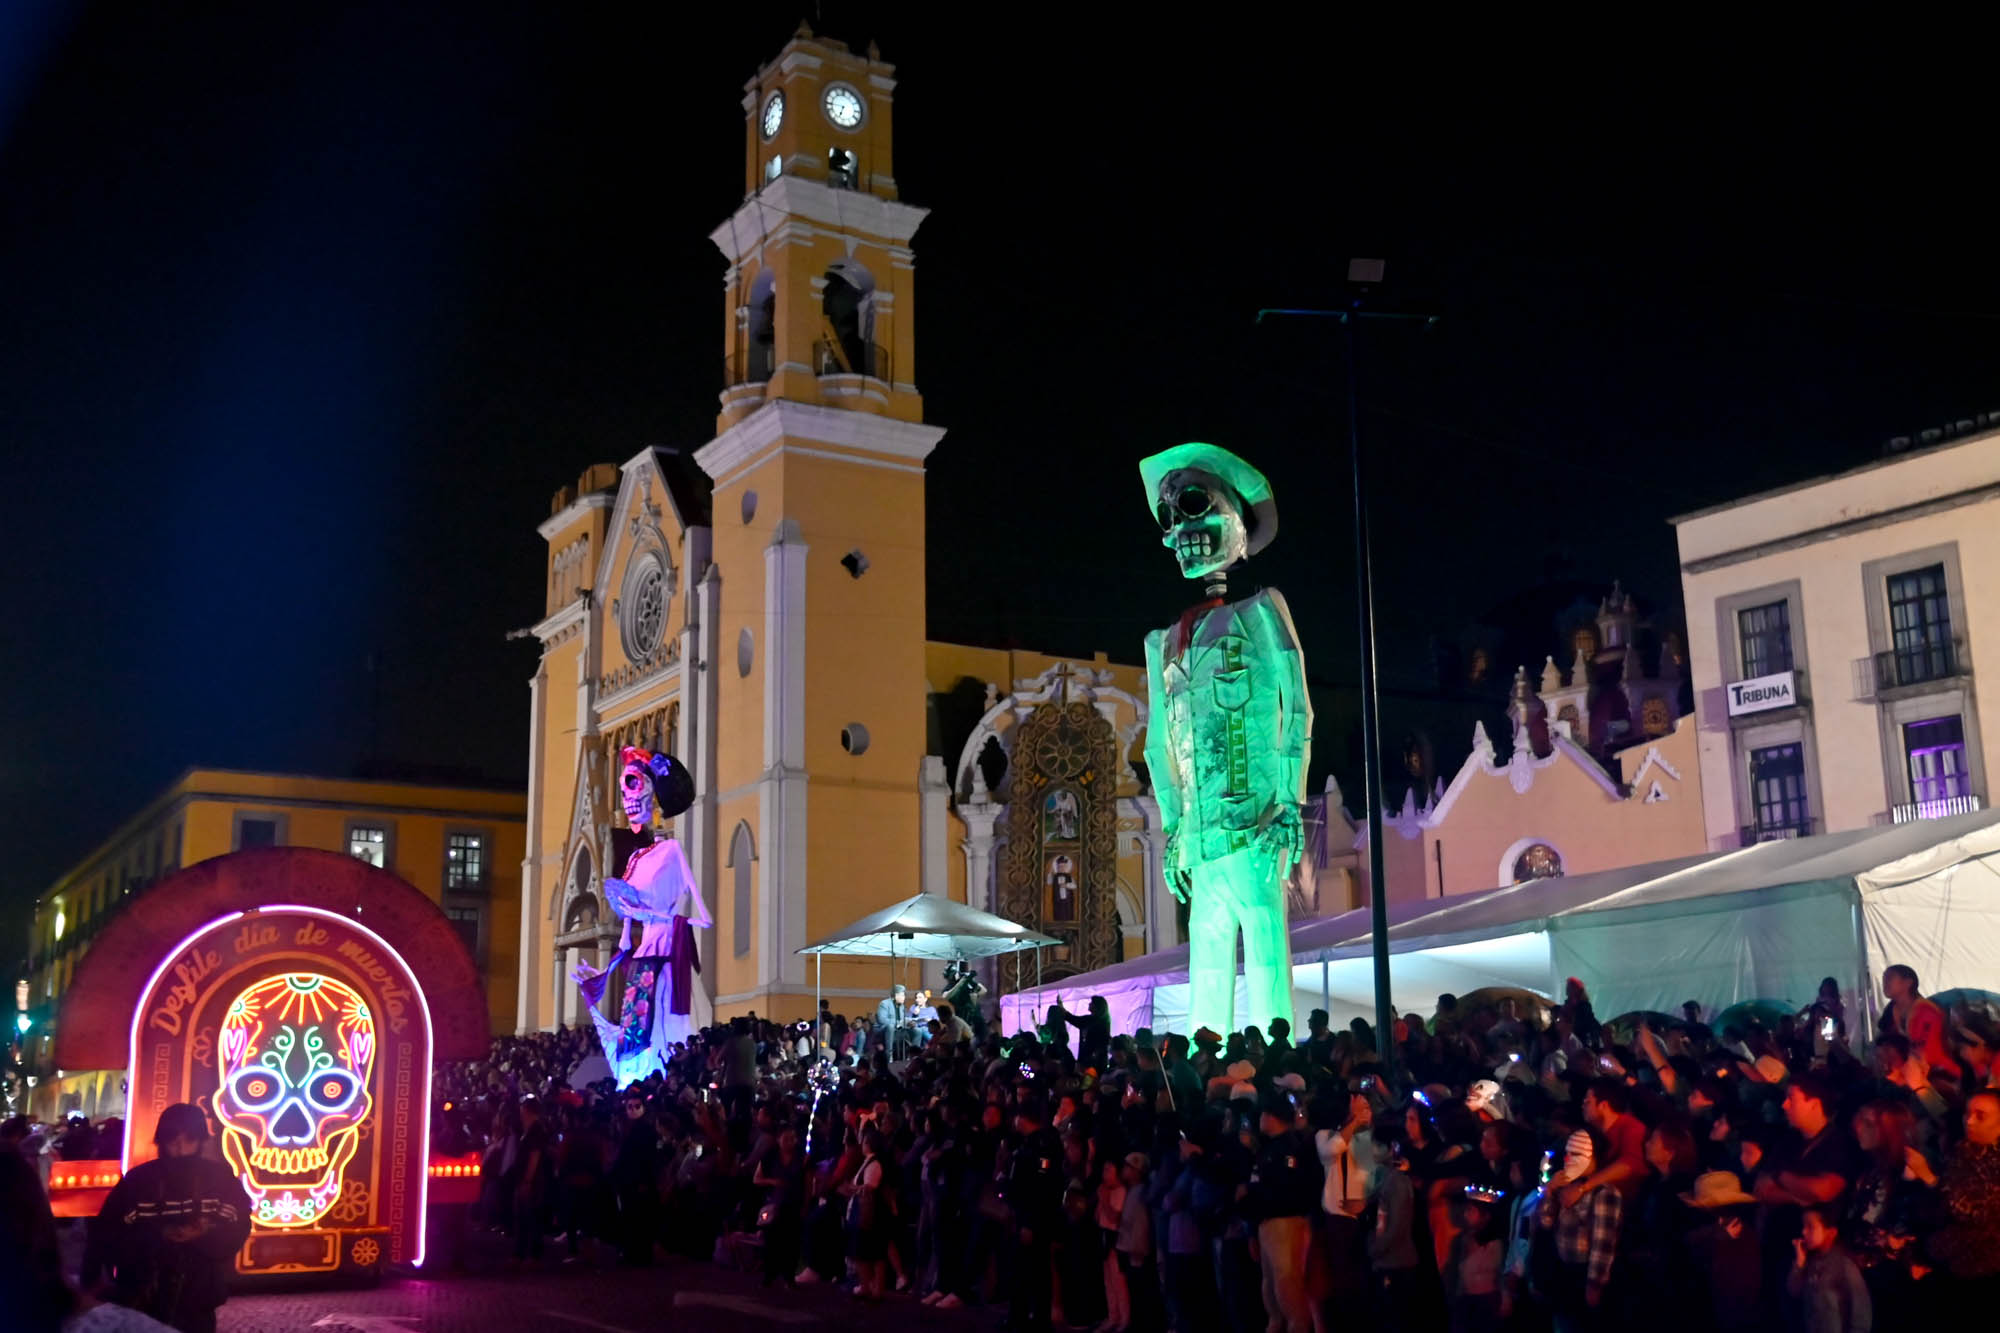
(821, 278)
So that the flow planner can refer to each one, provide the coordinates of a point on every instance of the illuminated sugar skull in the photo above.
(297, 1051)
(648, 778)
(1200, 522)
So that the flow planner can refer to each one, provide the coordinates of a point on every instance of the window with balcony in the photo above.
(1940, 777)
(465, 862)
(1766, 635)
(1778, 793)
(1919, 628)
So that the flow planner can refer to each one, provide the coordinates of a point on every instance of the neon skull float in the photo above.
(297, 1051)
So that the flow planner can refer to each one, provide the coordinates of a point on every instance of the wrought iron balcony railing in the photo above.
(1752, 834)
(1941, 808)
(838, 357)
(1941, 660)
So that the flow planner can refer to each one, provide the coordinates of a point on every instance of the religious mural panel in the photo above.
(1059, 869)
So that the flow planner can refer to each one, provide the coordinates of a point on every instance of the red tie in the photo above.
(1184, 630)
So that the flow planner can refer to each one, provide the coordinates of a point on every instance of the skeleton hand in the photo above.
(1177, 875)
(1285, 835)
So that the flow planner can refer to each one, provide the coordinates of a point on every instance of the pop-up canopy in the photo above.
(930, 926)
(1764, 922)
(926, 926)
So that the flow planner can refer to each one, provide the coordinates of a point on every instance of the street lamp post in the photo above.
(1363, 275)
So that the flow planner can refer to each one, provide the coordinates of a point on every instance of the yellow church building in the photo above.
(756, 606)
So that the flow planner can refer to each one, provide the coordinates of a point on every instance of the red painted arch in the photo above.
(95, 1019)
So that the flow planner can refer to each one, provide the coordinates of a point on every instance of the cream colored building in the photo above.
(1834, 629)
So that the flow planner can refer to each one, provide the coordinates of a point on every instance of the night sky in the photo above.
(304, 316)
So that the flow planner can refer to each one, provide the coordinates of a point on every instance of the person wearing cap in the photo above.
(1392, 1241)
(1726, 1252)
(168, 1229)
(1133, 1247)
(1586, 1218)
(1281, 1197)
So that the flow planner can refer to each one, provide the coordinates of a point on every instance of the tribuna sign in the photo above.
(1762, 693)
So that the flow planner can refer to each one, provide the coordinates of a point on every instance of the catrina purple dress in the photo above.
(657, 892)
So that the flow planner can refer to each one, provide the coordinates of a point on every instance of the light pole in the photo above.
(1363, 275)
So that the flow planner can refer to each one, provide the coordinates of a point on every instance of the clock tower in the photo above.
(814, 692)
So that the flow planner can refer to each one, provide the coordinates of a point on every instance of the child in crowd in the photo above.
(1726, 1252)
(1478, 1252)
(1824, 1290)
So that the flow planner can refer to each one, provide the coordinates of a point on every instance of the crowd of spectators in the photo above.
(1516, 1166)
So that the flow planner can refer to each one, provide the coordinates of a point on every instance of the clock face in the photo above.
(843, 106)
(774, 114)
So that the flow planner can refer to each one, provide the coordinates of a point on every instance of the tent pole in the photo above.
(1038, 984)
(819, 986)
(1326, 987)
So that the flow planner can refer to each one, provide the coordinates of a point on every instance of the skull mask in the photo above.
(1201, 520)
(297, 1052)
(635, 791)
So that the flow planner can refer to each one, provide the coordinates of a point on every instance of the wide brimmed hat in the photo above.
(1717, 1189)
(1260, 508)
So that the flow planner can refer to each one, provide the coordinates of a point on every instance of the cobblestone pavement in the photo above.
(581, 1297)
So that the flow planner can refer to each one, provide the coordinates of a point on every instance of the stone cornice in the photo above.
(849, 211)
(781, 420)
(573, 511)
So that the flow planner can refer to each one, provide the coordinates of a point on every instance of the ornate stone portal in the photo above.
(1059, 868)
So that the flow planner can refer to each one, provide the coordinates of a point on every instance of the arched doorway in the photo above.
(847, 307)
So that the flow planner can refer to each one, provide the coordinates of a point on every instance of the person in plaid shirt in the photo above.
(1586, 1233)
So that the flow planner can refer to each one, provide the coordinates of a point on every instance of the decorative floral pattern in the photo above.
(365, 1252)
(352, 1205)
(1074, 745)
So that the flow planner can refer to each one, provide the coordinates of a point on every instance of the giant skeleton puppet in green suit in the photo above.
(1230, 735)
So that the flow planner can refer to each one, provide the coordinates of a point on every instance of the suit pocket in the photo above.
(1232, 689)
(1238, 812)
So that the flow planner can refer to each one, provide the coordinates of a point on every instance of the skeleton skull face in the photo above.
(635, 790)
(1201, 521)
(297, 1051)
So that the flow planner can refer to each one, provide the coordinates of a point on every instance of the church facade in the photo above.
(756, 606)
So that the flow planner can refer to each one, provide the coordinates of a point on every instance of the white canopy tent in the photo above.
(926, 926)
(1763, 922)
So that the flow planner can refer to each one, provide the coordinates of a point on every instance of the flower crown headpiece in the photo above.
(658, 763)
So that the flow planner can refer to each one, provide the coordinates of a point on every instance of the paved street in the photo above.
(577, 1298)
